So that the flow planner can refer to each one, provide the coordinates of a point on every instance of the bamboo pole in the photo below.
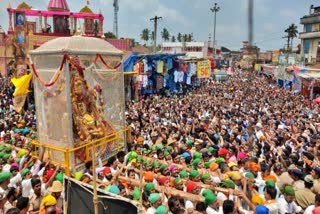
(140, 186)
(200, 184)
(95, 194)
(180, 166)
(167, 190)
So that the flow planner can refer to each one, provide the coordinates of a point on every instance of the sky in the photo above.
(271, 18)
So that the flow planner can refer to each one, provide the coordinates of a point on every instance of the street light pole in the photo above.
(214, 9)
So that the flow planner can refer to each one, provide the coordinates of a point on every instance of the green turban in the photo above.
(183, 174)
(5, 157)
(2, 146)
(24, 172)
(154, 197)
(153, 148)
(132, 155)
(270, 183)
(8, 149)
(205, 177)
(163, 167)
(148, 152)
(155, 164)
(18, 160)
(166, 153)
(4, 176)
(33, 136)
(288, 190)
(220, 160)
(169, 149)
(136, 194)
(228, 184)
(59, 177)
(139, 160)
(194, 173)
(149, 186)
(195, 162)
(176, 180)
(210, 198)
(206, 192)
(211, 150)
(249, 175)
(12, 140)
(1, 154)
(159, 146)
(189, 142)
(147, 163)
(161, 210)
(196, 155)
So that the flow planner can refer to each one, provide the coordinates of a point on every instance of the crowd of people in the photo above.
(244, 145)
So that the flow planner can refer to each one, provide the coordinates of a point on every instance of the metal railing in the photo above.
(121, 138)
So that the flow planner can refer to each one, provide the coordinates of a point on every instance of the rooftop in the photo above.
(58, 5)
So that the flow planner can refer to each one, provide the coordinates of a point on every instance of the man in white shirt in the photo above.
(287, 203)
(4, 181)
(155, 201)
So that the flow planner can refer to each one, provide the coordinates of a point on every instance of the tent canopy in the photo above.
(79, 45)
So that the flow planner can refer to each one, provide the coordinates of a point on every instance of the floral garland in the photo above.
(104, 62)
(98, 90)
(57, 92)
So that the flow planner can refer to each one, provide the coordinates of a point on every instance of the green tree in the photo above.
(179, 37)
(190, 37)
(109, 35)
(292, 32)
(145, 35)
(173, 39)
(185, 38)
(165, 34)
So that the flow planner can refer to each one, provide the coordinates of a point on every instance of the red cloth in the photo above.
(191, 186)
(162, 180)
(106, 170)
(223, 152)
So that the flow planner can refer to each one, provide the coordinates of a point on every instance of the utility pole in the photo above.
(214, 9)
(115, 19)
(250, 22)
(155, 21)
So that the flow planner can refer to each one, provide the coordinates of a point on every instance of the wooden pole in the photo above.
(167, 190)
(200, 184)
(95, 194)
(141, 186)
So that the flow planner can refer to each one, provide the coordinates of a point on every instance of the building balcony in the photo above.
(310, 19)
(309, 35)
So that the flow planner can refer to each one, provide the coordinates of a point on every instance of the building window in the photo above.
(306, 46)
(308, 28)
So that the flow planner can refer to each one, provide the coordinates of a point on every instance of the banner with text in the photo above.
(204, 69)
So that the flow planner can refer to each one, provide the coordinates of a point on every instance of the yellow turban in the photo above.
(47, 201)
(234, 175)
(257, 200)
